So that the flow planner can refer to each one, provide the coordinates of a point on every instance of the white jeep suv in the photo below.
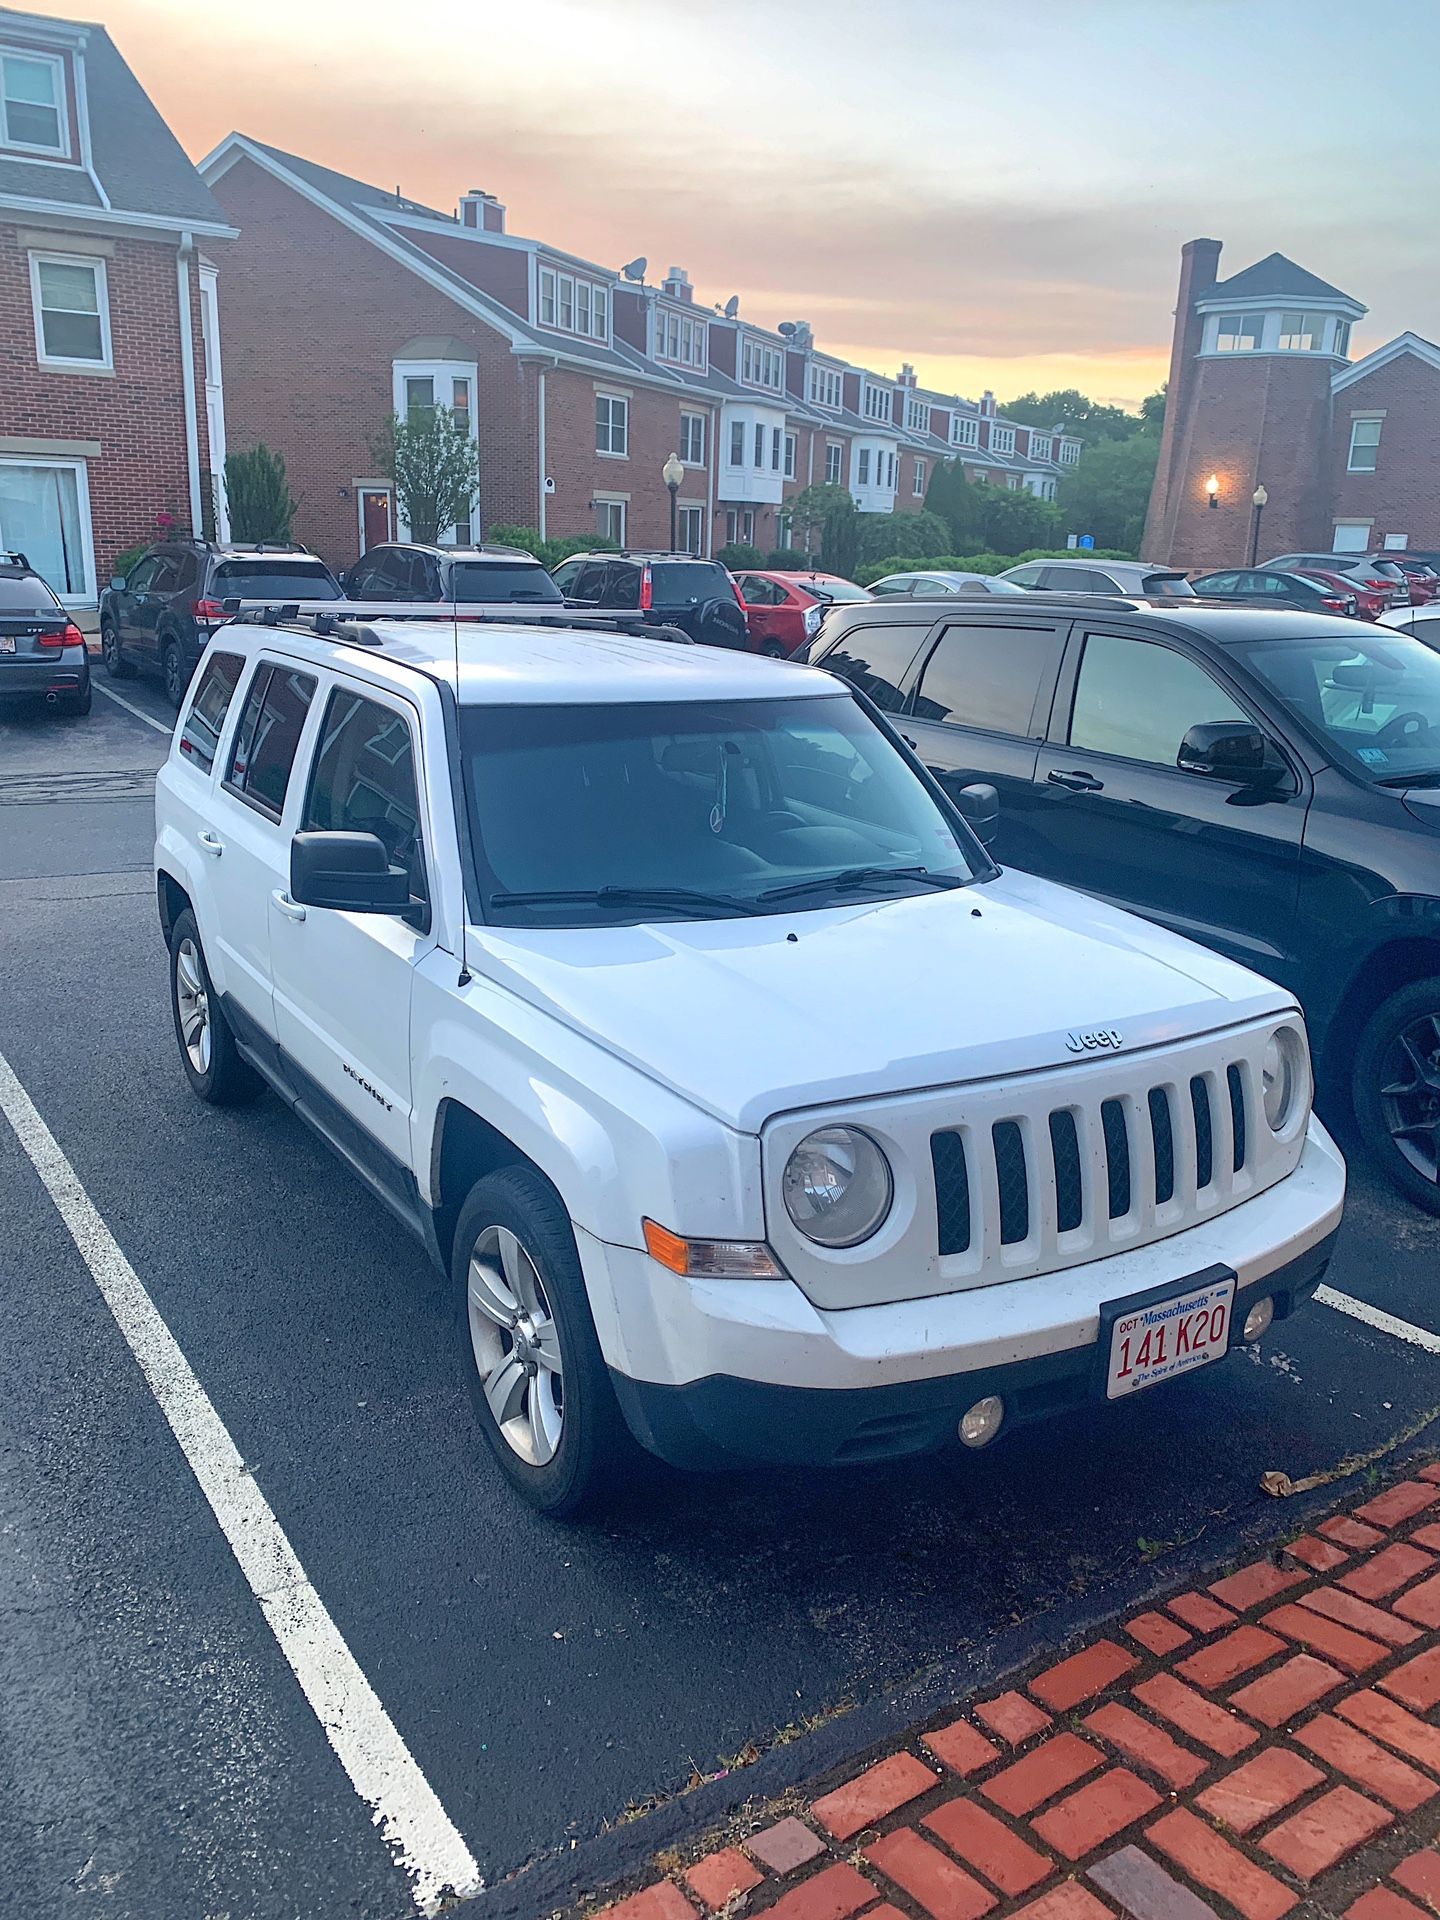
(754, 1113)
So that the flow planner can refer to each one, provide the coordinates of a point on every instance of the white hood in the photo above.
(932, 990)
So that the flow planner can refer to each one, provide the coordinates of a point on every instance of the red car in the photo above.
(1420, 577)
(1370, 602)
(784, 610)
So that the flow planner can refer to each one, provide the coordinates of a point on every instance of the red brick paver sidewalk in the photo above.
(1269, 1744)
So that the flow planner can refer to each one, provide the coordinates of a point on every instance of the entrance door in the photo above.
(376, 518)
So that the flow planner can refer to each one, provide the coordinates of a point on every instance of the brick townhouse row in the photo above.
(111, 413)
(343, 304)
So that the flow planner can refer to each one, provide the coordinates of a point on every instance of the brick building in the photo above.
(1263, 393)
(344, 304)
(111, 401)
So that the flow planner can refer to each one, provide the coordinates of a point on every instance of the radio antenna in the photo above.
(458, 789)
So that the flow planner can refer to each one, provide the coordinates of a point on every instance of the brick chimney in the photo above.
(677, 284)
(482, 210)
(1199, 272)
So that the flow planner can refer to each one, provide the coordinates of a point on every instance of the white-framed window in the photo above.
(759, 444)
(690, 527)
(1041, 485)
(1239, 332)
(827, 386)
(964, 430)
(876, 402)
(862, 468)
(1341, 347)
(45, 514)
(980, 476)
(1302, 332)
(791, 446)
(572, 304)
(610, 516)
(737, 443)
(761, 365)
(890, 471)
(680, 337)
(740, 526)
(1352, 536)
(921, 469)
(777, 441)
(834, 462)
(32, 103)
(1002, 439)
(1042, 447)
(612, 425)
(72, 310)
(692, 439)
(419, 386)
(1364, 446)
(1069, 452)
(917, 415)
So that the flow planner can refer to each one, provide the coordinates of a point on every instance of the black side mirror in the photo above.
(348, 871)
(117, 583)
(980, 804)
(1229, 750)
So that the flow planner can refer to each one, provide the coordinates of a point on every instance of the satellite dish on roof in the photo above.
(635, 269)
(785, 329)
(732, 306)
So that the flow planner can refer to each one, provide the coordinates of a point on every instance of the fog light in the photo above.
(980, 1425)
(1258, 1319)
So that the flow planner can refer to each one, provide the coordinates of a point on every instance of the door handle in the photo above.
(211, 842)
(1076, 782)
(291, 909)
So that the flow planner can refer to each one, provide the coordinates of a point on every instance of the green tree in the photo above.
(1109, 490)
(1089, 420)
(435, 466)
(919, 535)
(1152, 412)
(261, 504)
(1015, 519)
(827, 516)
(953, 499)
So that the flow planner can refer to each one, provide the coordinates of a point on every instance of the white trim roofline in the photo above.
(61, 33)
(1403, 343)
(1286, 302)
(66, 213)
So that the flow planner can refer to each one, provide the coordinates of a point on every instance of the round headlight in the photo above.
(1281, 1074)
(837, 1186)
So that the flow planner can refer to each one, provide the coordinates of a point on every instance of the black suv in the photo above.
(161, 615)
(672, 589)
(42, 651)
(1265, 782)
(470, 576)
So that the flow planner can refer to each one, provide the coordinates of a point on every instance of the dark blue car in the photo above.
(42, 651)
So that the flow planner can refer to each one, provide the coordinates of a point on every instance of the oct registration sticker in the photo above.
(1162, 1338)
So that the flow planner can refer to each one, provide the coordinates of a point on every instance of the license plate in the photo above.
(1155, 1340)
(7, 643)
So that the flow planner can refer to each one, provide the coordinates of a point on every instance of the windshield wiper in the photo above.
(1429, 778)
(678, 898)
(852, 877)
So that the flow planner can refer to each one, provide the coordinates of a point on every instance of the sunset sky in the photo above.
(996, 192)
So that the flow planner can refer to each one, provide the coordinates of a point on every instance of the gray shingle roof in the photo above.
(1275, 277)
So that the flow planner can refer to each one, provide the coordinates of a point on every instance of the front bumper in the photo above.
(722, 1372)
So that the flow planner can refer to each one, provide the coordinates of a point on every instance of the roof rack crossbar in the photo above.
(334, 618)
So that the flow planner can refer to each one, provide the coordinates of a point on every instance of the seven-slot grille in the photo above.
(1092, 1168)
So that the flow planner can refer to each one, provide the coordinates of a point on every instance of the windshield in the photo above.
(724, 800)
(688, 583)
(276, 580)
(476, 582)
(1376, 702)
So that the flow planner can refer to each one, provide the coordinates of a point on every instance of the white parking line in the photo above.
(1378, 1318)
(130, 707)
(419, 1832)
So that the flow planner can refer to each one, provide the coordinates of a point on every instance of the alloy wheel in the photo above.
(174, 675)
(192, 1000)
(1410, 1097)
(516, 1345)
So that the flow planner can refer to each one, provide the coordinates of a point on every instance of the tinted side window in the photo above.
(589, 584)
(186, 576)
(877, 660)
(140, 576)
(200, 735)
(268, 734)
(1071, 580)
(1024, 576)
(1139, 700)
(986, 676)
(621, 588)
(392, 575)
(363, 780)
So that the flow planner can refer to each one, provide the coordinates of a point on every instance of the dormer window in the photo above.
(1041, 448)
(1239, 332)
(761, 365)
(1069, 452)
(917, 416)
(964, 430)
(1341, 348)
(877, 402)
(680, 337)
(1002, 439)
(32, 103)
(1302, 332)
(572, 305)
(827, 387)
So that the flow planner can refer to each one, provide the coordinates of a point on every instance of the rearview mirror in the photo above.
(980, 804)
(1229, 750)
(350, 872)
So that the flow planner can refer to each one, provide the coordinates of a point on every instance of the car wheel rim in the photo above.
(192, 1002)
(1410, 1094)
(516, 1346)
(107, 647)
(174, 681)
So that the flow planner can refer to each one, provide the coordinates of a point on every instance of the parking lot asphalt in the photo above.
(549, 1681)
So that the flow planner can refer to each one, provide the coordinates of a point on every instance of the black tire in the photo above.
(1396, 1091)
(720, 623)
(219, 1076)
(773, 650)
(113, 654)
(176, 673)
(595, 1455)
(76, 705)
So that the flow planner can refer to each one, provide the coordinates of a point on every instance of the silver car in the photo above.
(933, 584)
(1128, 577)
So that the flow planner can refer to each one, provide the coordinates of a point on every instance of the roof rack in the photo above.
(15, 559)
(349, 620)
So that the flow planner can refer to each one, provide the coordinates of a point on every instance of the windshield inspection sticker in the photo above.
(1373, 756)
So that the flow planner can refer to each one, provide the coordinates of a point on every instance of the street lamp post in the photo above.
(673, 473)
(1259, 500)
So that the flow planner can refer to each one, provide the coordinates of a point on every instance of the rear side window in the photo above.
(1075, 580)
(687, 583)
(274, 580)
(200, 736)
(268, 734)
(987, 676)
(476, 582)
(877, 660)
